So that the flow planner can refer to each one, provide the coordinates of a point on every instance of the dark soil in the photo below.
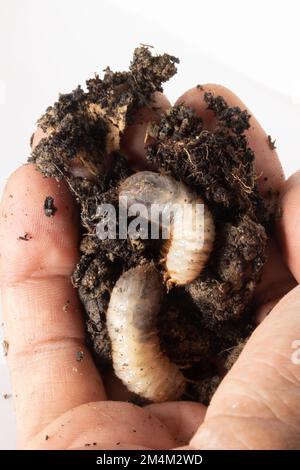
(49, 207)
(207, 321)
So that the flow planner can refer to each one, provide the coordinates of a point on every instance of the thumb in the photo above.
(257, 404)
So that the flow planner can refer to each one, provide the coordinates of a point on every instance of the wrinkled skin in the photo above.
(257, 403)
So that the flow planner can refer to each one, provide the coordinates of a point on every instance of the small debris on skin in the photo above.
(200, 87)
(66, 306)
(5, 346)
(79, 356)
(46, 437)
(6, 396)
(271, 143)
(26, 237)
(49, 207)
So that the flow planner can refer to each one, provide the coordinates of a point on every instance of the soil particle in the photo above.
(49, 207)
(5, 346)
(66, 306)
(26, 237)
(6, 396)
(271, 143)
(79, 356)
(31, 140)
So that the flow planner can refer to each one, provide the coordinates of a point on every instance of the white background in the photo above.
(50, 46)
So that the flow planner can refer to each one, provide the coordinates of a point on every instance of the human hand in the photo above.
(62, 403)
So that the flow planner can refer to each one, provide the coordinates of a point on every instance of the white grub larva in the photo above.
(132, 327)
(184, 256)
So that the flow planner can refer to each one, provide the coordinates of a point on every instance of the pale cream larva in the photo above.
(132, 327)
(187, 250)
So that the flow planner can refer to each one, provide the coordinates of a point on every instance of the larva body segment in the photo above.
(188, 255)
(187, 250)
(131, 322)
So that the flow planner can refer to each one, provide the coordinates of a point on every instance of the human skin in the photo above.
(65, 404)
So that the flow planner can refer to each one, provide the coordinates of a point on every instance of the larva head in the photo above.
(148, 187)
(142, 286)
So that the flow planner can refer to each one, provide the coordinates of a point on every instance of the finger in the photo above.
(289, 223)
(37, 137)
(133, 139)
(181, 418)
(276, 281)
(42, 315)
(257, 404)
(268, 167)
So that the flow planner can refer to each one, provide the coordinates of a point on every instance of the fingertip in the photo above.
(38, 135)
(194, 99)
(288, 223)
(31, 242)
(133, 139)
(268, 167)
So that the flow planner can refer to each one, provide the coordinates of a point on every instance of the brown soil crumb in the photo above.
(6, 396)
(26, 237)
(46, 437)
(49, 207)
(271, 143)
(213, 315)
(5, 347)
(79, 356)
(66, 306)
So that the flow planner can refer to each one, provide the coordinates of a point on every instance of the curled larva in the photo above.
(187, 250)
(132, 327)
